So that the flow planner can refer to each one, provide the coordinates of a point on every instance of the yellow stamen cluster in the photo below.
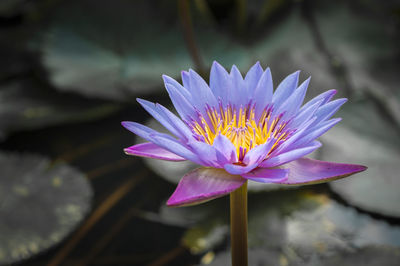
(240, 127)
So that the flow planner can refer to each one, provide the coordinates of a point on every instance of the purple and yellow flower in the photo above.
(239, 129)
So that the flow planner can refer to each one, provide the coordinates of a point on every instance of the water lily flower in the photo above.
(238, 129)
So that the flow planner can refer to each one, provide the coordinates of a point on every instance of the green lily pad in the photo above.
(333, 228)
(24, 105)
(302, 228)
(90, 48)
(367, 45)
(40, 204)
(374, 143)
(369, 256)
(9, 8)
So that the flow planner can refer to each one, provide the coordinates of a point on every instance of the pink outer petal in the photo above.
(204, 184)
(267, 175)
(151, 150)
(308, 171)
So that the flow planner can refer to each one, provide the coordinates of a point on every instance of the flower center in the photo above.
(241, 127)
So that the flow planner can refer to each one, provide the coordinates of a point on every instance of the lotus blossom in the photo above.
(238, 129)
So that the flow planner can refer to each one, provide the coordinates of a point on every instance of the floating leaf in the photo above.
(24, 105)
(91, 48)
(40, 204)
(374, 142)
(368, 47)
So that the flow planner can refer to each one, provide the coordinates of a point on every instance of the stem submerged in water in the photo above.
(239, 226)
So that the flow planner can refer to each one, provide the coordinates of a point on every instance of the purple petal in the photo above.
(139, 129)
(267, 175)
(204, 184)
(206, 153)
(293, 103)
(314, 132)
(227, 151)
(305, 115)
(151, 150)
(285, 89)
(238, 91)
(182, 105)
(263, 92)
(175, 146)
(220, 83)
(201, 93)
(236, 169)
(251, 160)
(327, 110)
(153, 111)
(308, 171)
(252, 77)
(175, 122)
(325, 97)
(179, 87)
(258, 153)
(287, 145)
(186, 80)
(290, 155)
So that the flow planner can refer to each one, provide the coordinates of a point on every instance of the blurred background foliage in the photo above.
(70, 72)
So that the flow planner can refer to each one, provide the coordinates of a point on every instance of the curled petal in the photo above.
(267, 175)
(151, 150)
(204, 184)
(306, 171)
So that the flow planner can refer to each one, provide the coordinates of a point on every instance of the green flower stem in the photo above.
(239, 226)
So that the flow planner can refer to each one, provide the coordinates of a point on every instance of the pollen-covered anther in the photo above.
(241, 127)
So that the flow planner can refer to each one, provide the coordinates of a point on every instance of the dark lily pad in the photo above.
(25, 105)
(368, 47)
(301, 228)
(10, 8)
(332, 228)
(366, 137)
(40, 204)
(369, 256)
(113, 49)
(95, 52)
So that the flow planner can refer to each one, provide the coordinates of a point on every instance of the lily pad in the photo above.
(367, 44)
(25, 105)
(303, 228)
(333, 228)
(367, 138)
(90, 48)
(40, 204)
(121, 49)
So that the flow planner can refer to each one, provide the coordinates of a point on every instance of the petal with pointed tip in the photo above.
(252, 77)
(151, 150)
(204, 184)
(291, 155)
(263, 92)
(220, 83)
(285, 89)
(201, 92)
(182, 105)
(305, 171)
(267, 175)
(227, 151)
(325, 97)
